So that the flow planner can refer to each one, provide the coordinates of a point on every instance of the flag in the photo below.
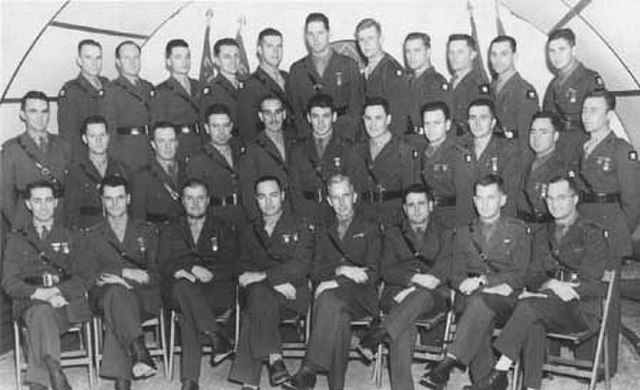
(244, 70)
(478, 64)
(499, 25)
(208, 70)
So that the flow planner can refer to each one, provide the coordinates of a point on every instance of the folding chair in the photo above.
(83, 356)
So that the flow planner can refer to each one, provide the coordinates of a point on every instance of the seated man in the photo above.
(274, 262)
(346, 270)
(569, 263)
(412, 278)
(489, 260)
(121, 253)
(196, 259)
(47, 292)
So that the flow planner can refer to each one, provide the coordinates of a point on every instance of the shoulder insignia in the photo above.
(528, 230)
(444, 86)
(240, 85)
(633, 155)
(206, 90)
(467, 157)
(599, 81)
(414, 153)
(399, 72)
(571, 174)
(62, 93)
(152, 93)
(101, 92)
(484, 89)
(312, 228)
(531, 94)
(605, 233)
(243, 150)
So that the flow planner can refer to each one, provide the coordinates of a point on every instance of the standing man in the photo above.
(426, 84)
(383, 75)
(84, 205)
(45, 286)
(275, 258)
(325, 71)
(515, 98)
(178, 99)
(566, 92)
(126, 107)
(121, 254)
(268, 79)
(345, 271)
(196, 262)
(489, 261)
(79, 98)
(34, 155)
(467, 83)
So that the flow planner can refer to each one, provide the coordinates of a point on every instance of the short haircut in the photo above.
(114, 181)
(424, 37)
(488, 180)
(563, 33)
(321, 100)
(88, 42)
(463, 37)
(173, 44)
(483, 102)
(376, 101)
(337, 179)
(316, 17)
(556, 123)
(40, 184)
(92, 120)
(268, 32)
(505, 38)
(270, 96)
(609, 98)
(266, 178)
(35, 95)
(224, 42)
(417, 188)
(194, 182)
(570, 179)
(123, 43)
(162, 125)
(367, 23)
(436, 106)
(217, 109)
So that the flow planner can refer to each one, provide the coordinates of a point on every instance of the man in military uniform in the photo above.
(80, 97)
(196, 261)
(217, 165)
(325, 71)
(177, 99)
(467, 83)
(412, 278)
(156, 187)
(383, 75)
(489, 261)
(46, 287)
(317, 158)
(515, 98)
(346, 270)
(34, 155)
(275, 258)
(426, 84)
(268, 79)
(126, 107)
(121, 254)
(83, 207)
(566, 92)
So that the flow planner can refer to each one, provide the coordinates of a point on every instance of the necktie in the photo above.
(342, 228)
(44, 232)
(559, 232)
(320, 147)
(41, 142)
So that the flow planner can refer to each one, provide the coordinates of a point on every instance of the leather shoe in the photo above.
(304, 379)
(143, 365)
(220, 345)
(122, 384)
(437, 378)
(57, 378)
(188, 384)
(278, 373)
(375, 337)
(496, 380)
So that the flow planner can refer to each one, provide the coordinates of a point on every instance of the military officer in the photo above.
(34, 155)
(570, 262)
(426, 84)
(126, 107)
(467, 83)
(274, 261)
(383, 75)
(345, 270)
(80, 97)
(489, 261)
(317, 158)
(566, 92)
(324, 70)
(121, 254)
(268, 79)
(84, 206)
(46, 287)
(196, 259)
(412, 269)
(178, 99)
(515, 98)
(156, 186)
(217, 165)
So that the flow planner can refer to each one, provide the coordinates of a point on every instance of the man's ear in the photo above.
(29, 205)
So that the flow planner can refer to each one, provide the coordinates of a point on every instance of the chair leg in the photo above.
(379, 365)
(172, 335)
(607, 373)
(16, 354)
(163, 343)
(516, 376)
(89, 350)
(97, 338)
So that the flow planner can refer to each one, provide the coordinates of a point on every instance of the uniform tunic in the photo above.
(156, 195)
(473, 85)
(429, 86)
(221, 91)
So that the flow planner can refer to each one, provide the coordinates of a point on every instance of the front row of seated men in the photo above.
(120, 262)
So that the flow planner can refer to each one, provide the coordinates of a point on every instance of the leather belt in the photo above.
(380, 196)
(133, 130)
(444, 200)
(231, 200)
(90, 210)
(317, 196)
(590, 197)
(564, 275)
(535, 218)
(45, 280)
(188, 129)
(158, 218)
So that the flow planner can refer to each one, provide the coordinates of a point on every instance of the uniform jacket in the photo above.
(211, 167)
(221, 91)
(172, 103)
(155, 195)
(23, 259)
(341, 80)
(429, 86)
(473, 85)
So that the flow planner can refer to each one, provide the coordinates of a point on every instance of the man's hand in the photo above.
(425, 280)
(251, 277)
(502, 289)
(113, 279)
(137, 275)
(287, 290)
(564, 290)
(58, 301)
(469, 285)
(326, 285)
(182, 274)
(45, 293)
(357, 274)
(203, 274)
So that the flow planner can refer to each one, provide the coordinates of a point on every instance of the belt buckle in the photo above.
(379, 194)
(47, 280)
(135, 131)
(185, 129)
(234, 198)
